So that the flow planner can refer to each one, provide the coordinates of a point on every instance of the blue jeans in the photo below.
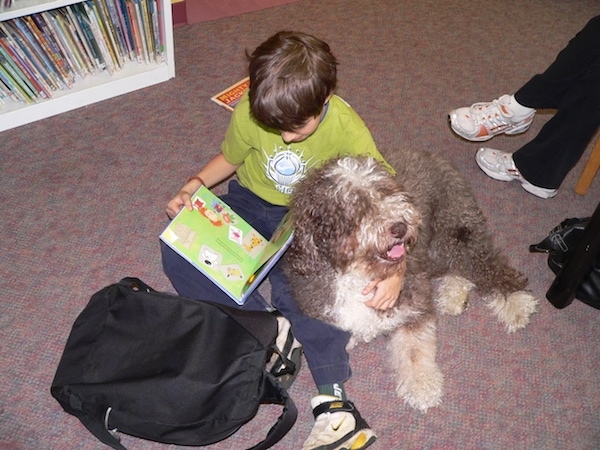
(324, 344)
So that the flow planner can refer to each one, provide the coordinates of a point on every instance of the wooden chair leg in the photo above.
(589, 172)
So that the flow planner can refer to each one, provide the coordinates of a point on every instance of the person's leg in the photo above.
(338, 424)
(546, 90)
(546, 160)
(571, 84)
(514, 114)
(542, 164)
(189, 282)
(324, 344)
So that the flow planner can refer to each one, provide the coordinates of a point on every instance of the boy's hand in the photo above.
(182, 199)
(386, 291)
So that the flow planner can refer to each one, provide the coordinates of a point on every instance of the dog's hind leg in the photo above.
(413, 349)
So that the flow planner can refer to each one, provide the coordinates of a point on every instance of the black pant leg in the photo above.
(572, 86)
(546, 90)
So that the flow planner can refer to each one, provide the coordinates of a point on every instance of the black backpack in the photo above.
(168, 369)
(560, 244)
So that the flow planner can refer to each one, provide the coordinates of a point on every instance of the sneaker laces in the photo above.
(494, 115)
(505, 164)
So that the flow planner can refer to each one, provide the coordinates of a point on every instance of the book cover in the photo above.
(11, 31)
(139, 28)
(123, 17)
(115, 21)
(38, 26)
(144, 15)
(56, 59)
(76, 17)
(36, 47)
(13, 72)
(104, 25)
(17, 91)
(11, 51)
(99, 40)
(223, 246)
(66, 39)
(232, 95)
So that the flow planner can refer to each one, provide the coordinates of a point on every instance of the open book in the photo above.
(232, 95)
(223, 246)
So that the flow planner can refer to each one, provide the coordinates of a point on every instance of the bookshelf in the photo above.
(93, 88)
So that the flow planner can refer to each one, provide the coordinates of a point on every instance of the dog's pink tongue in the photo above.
(396, 252)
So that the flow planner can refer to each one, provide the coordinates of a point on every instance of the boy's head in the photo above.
(292, 75)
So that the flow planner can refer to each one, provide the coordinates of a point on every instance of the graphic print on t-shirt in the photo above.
(285, 167)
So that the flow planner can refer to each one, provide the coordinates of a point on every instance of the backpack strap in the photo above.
(275, 393)
(98, 428)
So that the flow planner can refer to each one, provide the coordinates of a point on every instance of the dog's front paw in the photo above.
(451, 294)
(514, 310)
(423, 391)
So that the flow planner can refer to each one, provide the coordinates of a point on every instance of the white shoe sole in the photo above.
(540, 192)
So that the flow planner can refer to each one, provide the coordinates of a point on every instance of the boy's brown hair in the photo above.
(291, 76)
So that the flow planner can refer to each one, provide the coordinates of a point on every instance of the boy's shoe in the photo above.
(500, 166)
(483, 121)
(338, 426)
(287, 356)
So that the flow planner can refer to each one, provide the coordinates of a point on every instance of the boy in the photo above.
(288, 122)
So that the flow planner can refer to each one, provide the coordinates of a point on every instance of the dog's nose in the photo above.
(399, 229)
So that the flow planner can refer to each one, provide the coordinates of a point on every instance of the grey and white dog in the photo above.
(355, 223)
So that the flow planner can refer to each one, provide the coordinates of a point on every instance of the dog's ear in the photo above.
(326, 219)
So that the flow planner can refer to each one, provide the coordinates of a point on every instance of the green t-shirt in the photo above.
(270, 168)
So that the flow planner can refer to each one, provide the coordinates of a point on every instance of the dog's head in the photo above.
(352, 213)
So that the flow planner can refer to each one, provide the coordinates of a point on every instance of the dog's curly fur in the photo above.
(355, 223)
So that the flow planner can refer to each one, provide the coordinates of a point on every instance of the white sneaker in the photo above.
(500, 166)
(338, 426)
(483, 121)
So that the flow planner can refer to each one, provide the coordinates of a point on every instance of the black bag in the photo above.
(559, 245)
(168, 369)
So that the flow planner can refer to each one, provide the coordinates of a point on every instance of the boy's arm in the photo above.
(217, 170)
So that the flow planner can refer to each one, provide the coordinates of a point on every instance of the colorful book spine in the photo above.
(11, 54)
(49, 51)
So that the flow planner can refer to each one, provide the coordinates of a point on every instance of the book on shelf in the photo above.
(60, 52)
(107, 29)
(47, 51)
(75, 23)
(37, 27)
(22, 48)
(230, 97)
(14, 82)
(61, 79)
(223, 246)
(12, 56)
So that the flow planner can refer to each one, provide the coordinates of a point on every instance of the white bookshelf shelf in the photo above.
(93, 88)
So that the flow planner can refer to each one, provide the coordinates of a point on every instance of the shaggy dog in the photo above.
(355, 223)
